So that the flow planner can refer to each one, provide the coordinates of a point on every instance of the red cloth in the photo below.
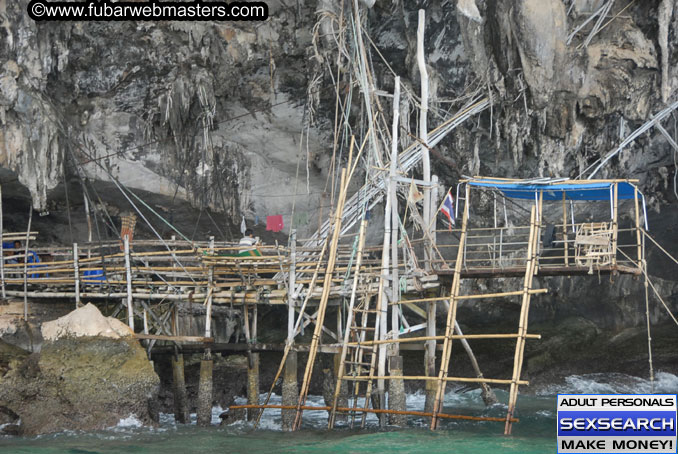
(274, 223)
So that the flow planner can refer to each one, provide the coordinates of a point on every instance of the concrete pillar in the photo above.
(342, 401)
(181, 414)
(430, 358)
(431, 388)
(290, 390)
(396, 392)
(205, 392)
(253, 386)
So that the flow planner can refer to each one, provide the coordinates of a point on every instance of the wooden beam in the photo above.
(198, 339)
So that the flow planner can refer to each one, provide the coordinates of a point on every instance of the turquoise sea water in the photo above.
(535, 433)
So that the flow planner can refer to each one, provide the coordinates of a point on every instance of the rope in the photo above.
(654, 289)
(659, 246)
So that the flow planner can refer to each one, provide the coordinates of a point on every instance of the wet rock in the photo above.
(81, 383)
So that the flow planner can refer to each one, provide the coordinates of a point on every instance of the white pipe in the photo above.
(423, 132)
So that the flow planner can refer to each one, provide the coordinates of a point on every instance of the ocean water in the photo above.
(535, 433)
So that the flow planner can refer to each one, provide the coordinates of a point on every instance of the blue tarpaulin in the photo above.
(554, 191)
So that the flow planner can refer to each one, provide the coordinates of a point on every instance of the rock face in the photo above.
(80, 383)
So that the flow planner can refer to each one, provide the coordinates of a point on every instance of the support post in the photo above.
(2, 252)
(206, 364)
(205, 393)
(382, 307)
(253, 385)
(339, 390)
(430, 348)
(615, 223)
(128, 274)
(181, 414)
(291, 286)
(253, 371)
(396, 387)
(565, 248)
(396, 391)
(639, 249)
(423, 134)
(290, 389)
(28, 237)
(76, 272)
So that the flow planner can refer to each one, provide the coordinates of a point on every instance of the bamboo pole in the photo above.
(291, 286)
(638, 230)
(324, 298)
(615, 223)
(435, 338)
(372, 410)
(522, 324)
(423, 127)
(28, 230)
(496, 381)
(349, 323)
(431, 309)
(451, 317)
(395, 219)
(473, 297)
(647, 318)
(76, 272)
(128, 274)
(382, 307)
(145, 322)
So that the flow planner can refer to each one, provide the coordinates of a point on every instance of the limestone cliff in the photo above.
(213, 113)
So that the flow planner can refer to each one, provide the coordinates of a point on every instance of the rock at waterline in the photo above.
(80, 381)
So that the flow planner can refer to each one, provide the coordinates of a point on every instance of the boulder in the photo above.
(79, 381)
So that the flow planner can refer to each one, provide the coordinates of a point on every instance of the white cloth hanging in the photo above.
(243, 226)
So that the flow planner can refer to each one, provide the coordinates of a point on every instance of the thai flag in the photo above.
(448, 209)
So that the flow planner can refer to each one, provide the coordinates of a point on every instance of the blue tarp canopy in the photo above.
(594, 190)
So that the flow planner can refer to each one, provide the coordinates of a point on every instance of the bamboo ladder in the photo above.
(526, 293)
(451, 317)
(530, 270)
(355, 366)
